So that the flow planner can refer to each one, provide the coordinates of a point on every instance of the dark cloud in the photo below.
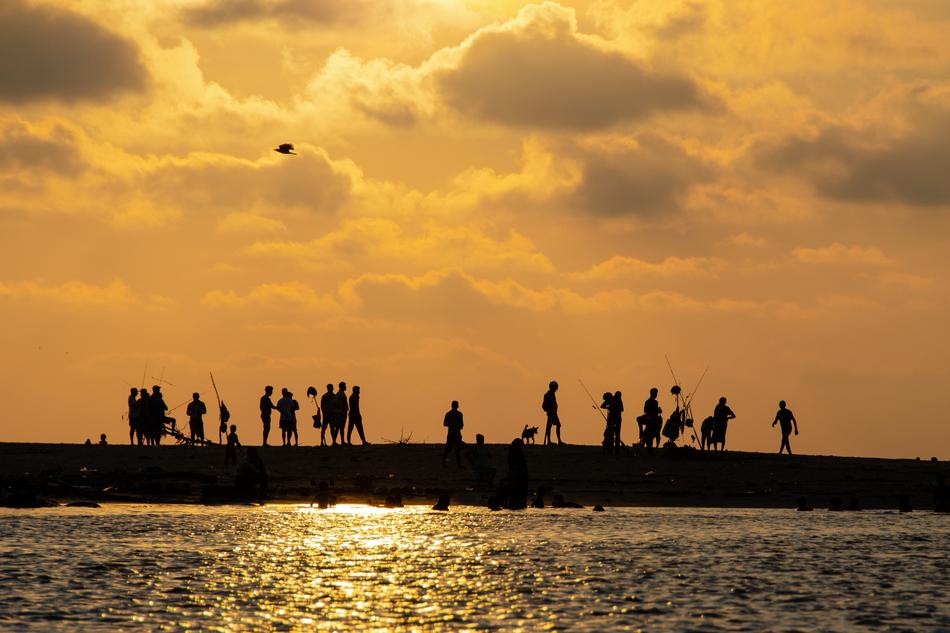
(51, 53)
(23, 149)
(856, 166)
(291, 12)
(642, 181)
(557, 81)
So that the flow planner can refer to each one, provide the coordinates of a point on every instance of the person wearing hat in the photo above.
(549, 406)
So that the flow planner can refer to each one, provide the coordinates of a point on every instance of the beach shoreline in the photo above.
(413, 473)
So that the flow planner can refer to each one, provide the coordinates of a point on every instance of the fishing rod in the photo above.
(178, 406)
(144, 373)
(223, 414)
(593, 403)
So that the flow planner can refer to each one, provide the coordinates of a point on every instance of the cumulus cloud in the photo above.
(50, 53)
(456, 294)
(388, 243)
(72, 293)
(648, 176)
(874, 163)
(310, 180)
(279, 296)
(538, 71)
(838, 253)
(622, 267)
(27, 147)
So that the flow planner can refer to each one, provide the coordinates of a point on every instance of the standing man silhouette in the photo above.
(549, 406)
(721, 416)
(133, 415)
(453, 439)
(785, 418)
(342, 409)
(267, 405)
(328, 406)
(196, 410)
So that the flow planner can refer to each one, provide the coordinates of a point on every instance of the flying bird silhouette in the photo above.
(285, 148)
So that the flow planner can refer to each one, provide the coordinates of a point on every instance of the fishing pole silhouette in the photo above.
(285, 148)
(593, 403)
(687, 412)
(161, 379)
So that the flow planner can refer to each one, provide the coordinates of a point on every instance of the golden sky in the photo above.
(487, 195)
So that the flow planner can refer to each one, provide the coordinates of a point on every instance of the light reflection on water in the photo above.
(360, 568)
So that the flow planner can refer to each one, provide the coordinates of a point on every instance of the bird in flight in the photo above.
(285, 148)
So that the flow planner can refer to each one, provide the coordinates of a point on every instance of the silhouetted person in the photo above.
(453, 438)
(158, 409)
(133, 414)
(479, 456)
(517, 476)
(674, 427)
(230, 451)
(267, 406)
(904, 505)
(342, 410)
(651, 421)
(941, 494)
(196, 410)
(616, 415)
(835, 504)
(102, 440)
(786, 419)
(286, 406)
(295, 406)
(549, 406)
(803, 505)
(356, 417)
(608, 441)
(721, 416)
(144, 431)
(442, 505)
(706, 432)
(328, 406)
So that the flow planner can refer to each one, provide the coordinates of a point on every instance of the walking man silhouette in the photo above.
(786, 419)
(356, 417)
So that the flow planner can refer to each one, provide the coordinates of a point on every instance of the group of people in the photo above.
(149, 419)
(652, 427)
(335, 411)
(147, 416)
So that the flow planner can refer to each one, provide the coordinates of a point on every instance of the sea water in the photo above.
(358, 568)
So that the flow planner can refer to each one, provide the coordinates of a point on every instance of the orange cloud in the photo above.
(842, 254)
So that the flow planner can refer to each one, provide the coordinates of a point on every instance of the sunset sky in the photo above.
(487, 195)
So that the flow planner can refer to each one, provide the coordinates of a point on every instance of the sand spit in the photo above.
(179, 474)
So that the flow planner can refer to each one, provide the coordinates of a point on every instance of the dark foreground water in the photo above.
(356, 568)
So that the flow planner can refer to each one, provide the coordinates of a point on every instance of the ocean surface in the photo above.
(358, 568)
